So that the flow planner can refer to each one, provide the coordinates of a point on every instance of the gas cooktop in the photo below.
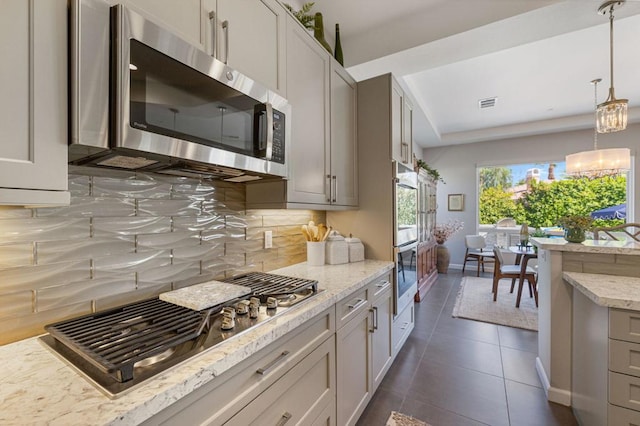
(120, 348)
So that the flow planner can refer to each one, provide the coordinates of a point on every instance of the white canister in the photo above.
(337, 251)
(356, 249)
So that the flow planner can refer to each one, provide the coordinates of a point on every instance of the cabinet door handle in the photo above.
(374, 311)
(264, 370)
(225, 27)
(328, 188)
(359, 302)
(406, 324)
(284, 419)
(212, 20)
(335, 188)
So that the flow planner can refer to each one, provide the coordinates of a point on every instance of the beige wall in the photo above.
(457, 165)
(128, 236)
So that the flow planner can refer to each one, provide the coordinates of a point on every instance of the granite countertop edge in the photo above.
(588, 246)
(39, 388)
(607, 290)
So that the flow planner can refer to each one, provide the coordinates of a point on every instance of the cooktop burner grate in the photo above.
(113, 341)
(264, 285)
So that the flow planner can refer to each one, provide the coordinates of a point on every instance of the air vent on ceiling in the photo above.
(487, 103)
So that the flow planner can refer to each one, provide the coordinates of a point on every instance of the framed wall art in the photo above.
(456, 202)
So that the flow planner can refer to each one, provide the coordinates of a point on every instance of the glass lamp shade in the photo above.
(611, 116)
(599, 162)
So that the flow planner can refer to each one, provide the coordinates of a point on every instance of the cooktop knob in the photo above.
(227, 321)
(231, 311)
(253, 311)
(242, 307)
(255, 301)
(272, 303)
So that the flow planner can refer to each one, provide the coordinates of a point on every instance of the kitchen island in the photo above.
(39, 388)
(556, 257)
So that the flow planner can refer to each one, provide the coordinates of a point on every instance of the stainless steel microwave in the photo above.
(143, 98)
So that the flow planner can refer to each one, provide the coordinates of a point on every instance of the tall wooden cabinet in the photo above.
(427, 272)
(33, 106)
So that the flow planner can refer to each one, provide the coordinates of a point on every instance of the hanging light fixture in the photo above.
(611, 115)
(598, 162)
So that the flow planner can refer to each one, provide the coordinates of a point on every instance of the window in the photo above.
(540, 194)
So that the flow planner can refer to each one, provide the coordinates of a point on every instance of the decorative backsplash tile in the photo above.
(129, 236)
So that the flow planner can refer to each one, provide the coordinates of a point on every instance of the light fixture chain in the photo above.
(611, 49)
(595, 102)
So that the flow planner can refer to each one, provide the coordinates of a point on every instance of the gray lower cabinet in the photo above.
(403, 325)
(293, 378)
(605, 364)
(363, 347)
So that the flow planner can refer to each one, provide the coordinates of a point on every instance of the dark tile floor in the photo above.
(457, 372)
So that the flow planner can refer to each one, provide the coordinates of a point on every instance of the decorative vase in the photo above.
(318, 32)
(338, 51)
(442, 258)
(574, 235)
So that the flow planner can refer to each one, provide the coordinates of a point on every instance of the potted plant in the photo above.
(575, 227)
(303, 15)
(430, 171)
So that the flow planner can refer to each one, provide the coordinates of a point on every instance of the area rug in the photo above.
(475, 301)
(399, 419)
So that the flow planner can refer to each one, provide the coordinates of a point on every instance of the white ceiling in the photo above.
(536, 56)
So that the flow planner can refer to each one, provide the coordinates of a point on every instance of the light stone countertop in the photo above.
(607, 290)
(588, 246)
(37, 388)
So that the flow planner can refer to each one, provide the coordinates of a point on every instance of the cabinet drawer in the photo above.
(379, 286)
(619, 416)
(402, 326)
(351, 306)
(624, 325)
(624, 390)
(215, 402)
(299, 397)
(624, 357)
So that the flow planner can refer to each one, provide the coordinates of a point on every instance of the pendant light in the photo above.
(611, 115)
(598, 162)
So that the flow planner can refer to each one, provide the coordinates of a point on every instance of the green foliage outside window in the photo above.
(547, 202)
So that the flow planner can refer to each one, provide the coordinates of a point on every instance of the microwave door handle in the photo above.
(269, 111)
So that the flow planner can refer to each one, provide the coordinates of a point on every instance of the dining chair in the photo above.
(624, 231)
(475, 252)
(501, 271)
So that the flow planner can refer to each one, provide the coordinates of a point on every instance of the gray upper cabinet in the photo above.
(402, 132)
(33, 108)
(323, 169)
(249, 35)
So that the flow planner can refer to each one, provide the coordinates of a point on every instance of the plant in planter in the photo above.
(303, 15)
(575, 227)
(430, 171)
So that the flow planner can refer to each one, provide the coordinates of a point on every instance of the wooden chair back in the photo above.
(630, 230)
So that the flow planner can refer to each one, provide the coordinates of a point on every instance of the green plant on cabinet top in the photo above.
(306, 19)
(431, 171)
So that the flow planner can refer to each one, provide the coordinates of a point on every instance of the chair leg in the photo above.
(519, 294)
(478, 271)
(530, 290)
(464, 264)
(513, 284)
(495, 288)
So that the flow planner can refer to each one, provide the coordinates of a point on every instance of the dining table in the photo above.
(523, 253)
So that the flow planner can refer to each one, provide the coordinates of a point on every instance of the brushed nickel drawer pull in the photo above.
(284, 419)
(359, 302)
(264, 370)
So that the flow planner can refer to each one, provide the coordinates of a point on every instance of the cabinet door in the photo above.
(353, 384)
(407, 132)
(344, 147)
(250, 37)
(382, 348)
(33, 107)
(397, 103)
(308, 94)
(182, 17)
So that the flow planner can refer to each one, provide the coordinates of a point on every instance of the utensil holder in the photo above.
(315, 253)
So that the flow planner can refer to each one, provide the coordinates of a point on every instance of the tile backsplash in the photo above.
(128, 236)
